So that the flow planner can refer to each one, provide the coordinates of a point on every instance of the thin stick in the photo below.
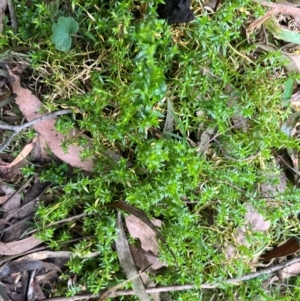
(18, 128)
(174, 288)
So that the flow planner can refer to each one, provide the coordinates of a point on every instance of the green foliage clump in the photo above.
(133, 63)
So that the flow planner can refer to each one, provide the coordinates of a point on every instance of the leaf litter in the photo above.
(127, 262)
(138, 229)
(145, 231)
(30, 106)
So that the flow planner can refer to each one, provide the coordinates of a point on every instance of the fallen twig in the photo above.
(18, 128)
(174, 288)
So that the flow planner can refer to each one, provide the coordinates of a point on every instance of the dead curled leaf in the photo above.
(30, 106)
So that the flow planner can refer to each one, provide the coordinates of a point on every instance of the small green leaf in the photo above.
(62, 32)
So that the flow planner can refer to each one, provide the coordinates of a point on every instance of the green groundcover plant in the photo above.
(141, 62)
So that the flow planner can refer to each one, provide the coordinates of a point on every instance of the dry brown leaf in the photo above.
(237, 118)
(141, 215)
(144, 259)
(16, 267)
(45, 255)
(127, 262)
(211, 4)
(23, 154)
(169, 123)
(148, 282)
(294, 65)
(258, 22)
(138, 229)
(9, 174)
(13, 203)
(3, 199)
(289, 247)
(19, 247)
(205, 139)
(294, 58)
(40, 152)
(276, 8)
(16, 229)
(34, 292)
(4, 222)
(290, 271)
(30, 105)
(254, 221)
